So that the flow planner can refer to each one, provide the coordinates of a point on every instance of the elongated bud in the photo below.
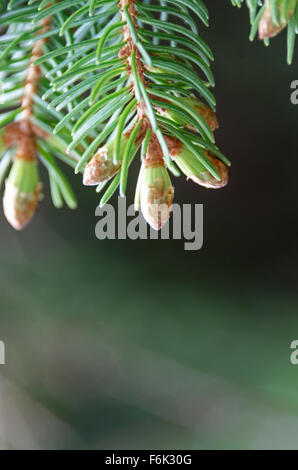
(156, 195)
(22, 193)
(101, 167)
(268, 26)
(191, 166)
(196, 105)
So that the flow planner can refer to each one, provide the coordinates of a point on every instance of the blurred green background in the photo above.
(139, 344)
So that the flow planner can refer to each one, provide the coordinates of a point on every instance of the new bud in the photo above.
(191, 166)
(101, 167)
(268, 27)
(22, 193)
(156, 195)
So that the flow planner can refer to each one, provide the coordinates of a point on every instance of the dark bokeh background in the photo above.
(139, 344)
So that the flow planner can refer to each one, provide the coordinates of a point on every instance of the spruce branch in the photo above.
(270, 17)
(27, 129)
(116, 78)
(144, 74)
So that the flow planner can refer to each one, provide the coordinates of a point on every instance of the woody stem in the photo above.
(130, 49)
(26, 145)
